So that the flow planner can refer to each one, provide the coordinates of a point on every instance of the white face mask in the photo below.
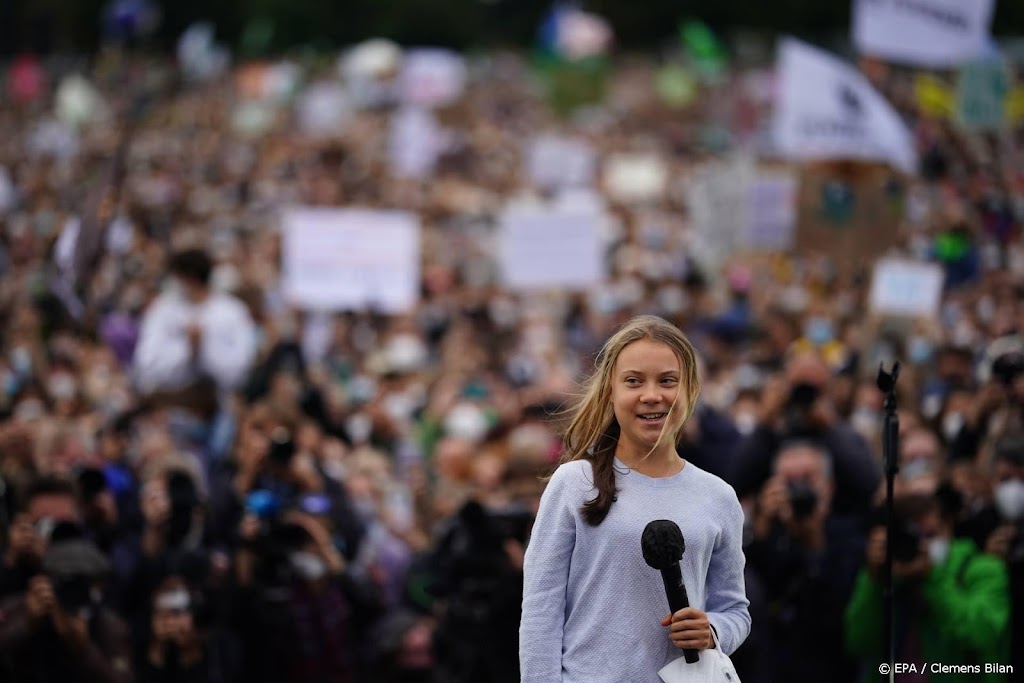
(308, 566)
(865, 421)
(938, 551)
(466, 421)
(951, 425)
(745, 422)
(1009, 499)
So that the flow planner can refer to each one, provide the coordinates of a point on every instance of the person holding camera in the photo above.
(796, 406)
(60, 630)
(176, 650)
(292, 609)
(1007, 540)
(801, 563)
(997, 411)
(951, 600)
(48, 501)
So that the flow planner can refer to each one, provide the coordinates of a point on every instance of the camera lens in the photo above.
(802, 499)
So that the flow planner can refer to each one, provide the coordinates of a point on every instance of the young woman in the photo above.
(593, 610)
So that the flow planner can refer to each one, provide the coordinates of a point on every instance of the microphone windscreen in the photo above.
(662, 544)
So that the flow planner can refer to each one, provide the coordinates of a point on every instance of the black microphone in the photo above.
(662, 544)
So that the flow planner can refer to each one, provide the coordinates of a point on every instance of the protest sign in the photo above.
(826, 109)
(635, 178)
(983, 88)
(716, 198)
(554, 162)
(323, 110)
(350, 259)
(543, 249)
(432, 77)
(905, 288)
(771, 211)
(415, 140)
(845, 212)
(929, 33)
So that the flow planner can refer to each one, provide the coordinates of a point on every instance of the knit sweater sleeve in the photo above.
(546, 577)
(727, 604)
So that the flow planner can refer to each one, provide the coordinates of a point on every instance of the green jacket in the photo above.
(965, 619)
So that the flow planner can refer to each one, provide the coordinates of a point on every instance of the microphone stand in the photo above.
(891, 453)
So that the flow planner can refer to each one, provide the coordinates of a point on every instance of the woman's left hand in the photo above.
(689, 628)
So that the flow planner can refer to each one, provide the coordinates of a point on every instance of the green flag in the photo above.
(701, 45)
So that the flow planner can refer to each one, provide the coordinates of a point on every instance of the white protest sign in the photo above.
(78, 103)
(771, 211)
(350, 259)
(546, 249)
(199, 58)
(928, 33)
(323, 109)
(717, 201)
(906, 288)
(415, 140)
(554, 162)
(432, 77)
(826, 109)
(630, 178)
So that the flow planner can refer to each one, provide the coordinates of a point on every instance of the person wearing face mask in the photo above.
(951, 600)
(60, 629)
(177, 651)
(292, 612)
(1007, 541)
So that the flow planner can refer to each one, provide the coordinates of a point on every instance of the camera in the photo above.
(803, 499)
(282, 447)
(797, 417)
(802, 396)
(906, 543)
(263, 504)
(73, 593)
(513, 523)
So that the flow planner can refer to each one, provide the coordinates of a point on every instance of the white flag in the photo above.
(929, 33)
(826, 109)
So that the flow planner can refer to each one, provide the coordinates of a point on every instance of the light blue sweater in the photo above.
(592, 608)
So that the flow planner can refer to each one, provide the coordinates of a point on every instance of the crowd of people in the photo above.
(199, 482)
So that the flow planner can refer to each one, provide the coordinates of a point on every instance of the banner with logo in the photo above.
(930, 33)
(350, 259)
(826, 109)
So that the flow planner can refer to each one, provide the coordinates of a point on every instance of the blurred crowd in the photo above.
(199, 482)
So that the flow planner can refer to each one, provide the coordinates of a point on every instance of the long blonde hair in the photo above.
(592, 432)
